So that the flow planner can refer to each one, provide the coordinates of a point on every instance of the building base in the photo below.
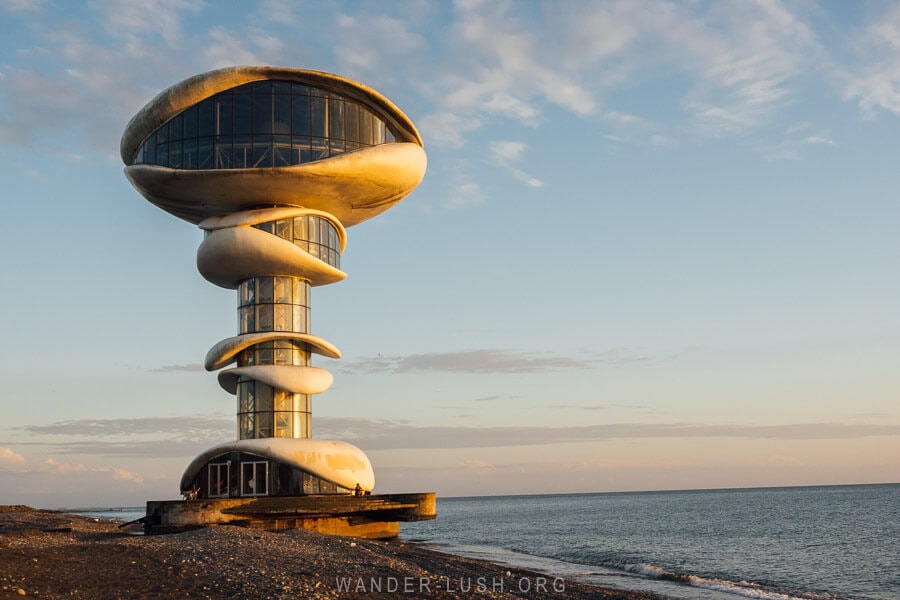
(375, 517)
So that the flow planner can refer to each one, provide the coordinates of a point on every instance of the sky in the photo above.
(656, 247)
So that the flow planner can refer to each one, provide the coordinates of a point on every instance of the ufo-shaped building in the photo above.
(273, 165)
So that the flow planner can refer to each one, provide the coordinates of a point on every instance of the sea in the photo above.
(787, 543)
(809, 543)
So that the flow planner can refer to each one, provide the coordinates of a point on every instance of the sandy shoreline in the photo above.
(49, 554)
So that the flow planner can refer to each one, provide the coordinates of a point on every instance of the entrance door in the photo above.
(255, 478)
(218, 475)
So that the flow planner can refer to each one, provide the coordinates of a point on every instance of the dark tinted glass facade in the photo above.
(263, 124)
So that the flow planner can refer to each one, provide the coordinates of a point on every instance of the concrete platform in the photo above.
(374, 517)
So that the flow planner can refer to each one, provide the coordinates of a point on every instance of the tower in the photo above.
(273, 165)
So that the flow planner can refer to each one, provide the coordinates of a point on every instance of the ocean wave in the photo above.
(747, 589)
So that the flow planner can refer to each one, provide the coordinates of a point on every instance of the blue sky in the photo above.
(656, 247)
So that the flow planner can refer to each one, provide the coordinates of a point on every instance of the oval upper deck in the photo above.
(193, 90)
(306, 139)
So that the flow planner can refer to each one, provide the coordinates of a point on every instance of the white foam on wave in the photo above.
(747, 589)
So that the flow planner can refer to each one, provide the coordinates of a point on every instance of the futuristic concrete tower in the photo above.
(273, 165)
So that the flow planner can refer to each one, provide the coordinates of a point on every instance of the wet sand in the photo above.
(48, 554)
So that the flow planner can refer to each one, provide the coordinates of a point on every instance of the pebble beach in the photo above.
(50, 554)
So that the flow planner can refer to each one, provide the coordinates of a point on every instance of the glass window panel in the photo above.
(175, 154)
(301, 318)
(264, 395)
(378, 132)
(314, 91)
(261, 154)
(299, 88)
(301, 425)
(247, 426)
(282, 317)
(265, 286)
(351, 121)
(262, 113)
(300, 228)
(162, 154)
(314, 229)
(301, 292)
(264, 424)
(281, 87)
(281, 115)
(299, 146)
(282, 401)
(251, 291)
(242, 152)
(336, 119)
(259, 87)
(250, 386)
(222, 152)
(189, 154)
(206, 118)
(282, 292)
(176, 128)
(205, 153)
(248, 319)
(281, 151)
(243, 113)
(316, 117)
(264, 355)
(190, 122)
(243, 405)
(264, 321)
(224, 115)
(283, 230)
(162, 134)
(150, 150)
(282, 356)
(283, 424)
(366, 132)
(247, 358)
(336, 147)
(300, 123)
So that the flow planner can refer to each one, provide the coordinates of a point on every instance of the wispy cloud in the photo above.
(139, 437)
(141, 17)
(877, 85)
(184, 437)
(746, 56)
(797, 140)
(483, 361)
(373, 42)
(9, 458)
(501, 68)
(22, 5)
(188, 367)
(505, 153)
(186, 426)
(384, 435)
(56, 483)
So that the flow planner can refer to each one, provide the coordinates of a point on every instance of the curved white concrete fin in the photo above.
(228, 256)
(226, 351)
(265, 215)
(296, 379)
